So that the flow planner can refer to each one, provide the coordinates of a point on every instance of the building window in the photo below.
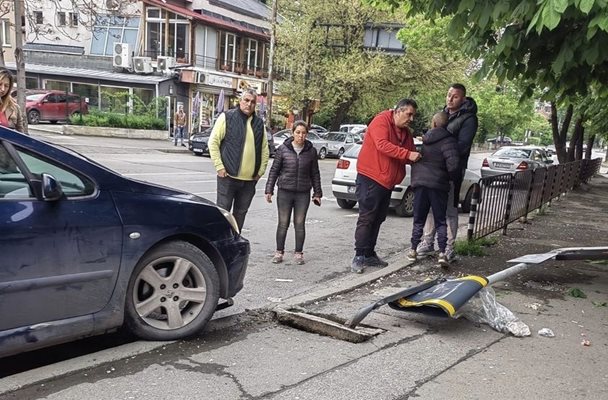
(167, 34)
(228, 51)
(113, 29)
(61, 21)
(252, 54)
(5, 32)
(38, 17)
(73, 19)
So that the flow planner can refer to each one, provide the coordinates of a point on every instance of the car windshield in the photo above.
(35, 97)
(335, 136)
(513, 153)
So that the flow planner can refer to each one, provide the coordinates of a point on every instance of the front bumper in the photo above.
(199, 147)
(236, 258)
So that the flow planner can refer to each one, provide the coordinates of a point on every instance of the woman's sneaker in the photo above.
(278, 257)
(412, 255)
(299, 258)
(442, 260)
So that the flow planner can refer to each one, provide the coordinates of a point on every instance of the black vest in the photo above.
(231, 148)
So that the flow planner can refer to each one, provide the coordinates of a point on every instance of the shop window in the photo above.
(90, 92)
(57, 85)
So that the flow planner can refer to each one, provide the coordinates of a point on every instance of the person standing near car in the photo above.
(296, 169)
(180, 125)
(239, 150)
(11, 115)
(387, 147)
(462, 123)
(431, 183)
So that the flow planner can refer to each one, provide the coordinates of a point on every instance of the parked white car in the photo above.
(402, 199)
(352, 128)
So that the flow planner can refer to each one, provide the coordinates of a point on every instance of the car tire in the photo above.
(322, 153)
(53, 121)
(465, 206)
(346, 204)
(340, 152)
(33, 117)
(153, 288)
(405, 208)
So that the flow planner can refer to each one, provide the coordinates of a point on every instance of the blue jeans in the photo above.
(374, 200)
(235, 195)
(287, 202)
(179, 132)
(426, 199)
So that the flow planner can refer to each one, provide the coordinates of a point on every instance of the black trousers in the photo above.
(373, 200)
(235, 195)
(287, 202)
(426, 199)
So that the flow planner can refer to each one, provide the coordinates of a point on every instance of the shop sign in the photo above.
(218, 80)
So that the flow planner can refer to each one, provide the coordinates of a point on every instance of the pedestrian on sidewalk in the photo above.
(387, 147)
(462, 123)
(296, 169)
(180, 125)
(11, 115)
(431, 178)
(239, 150)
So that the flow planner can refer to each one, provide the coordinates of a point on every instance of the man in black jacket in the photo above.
(239, 150)
(462, 123)
(431, 177)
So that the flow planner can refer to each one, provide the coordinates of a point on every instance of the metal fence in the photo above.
(499, 200)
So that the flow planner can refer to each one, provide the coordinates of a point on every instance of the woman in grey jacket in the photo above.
(295, 170)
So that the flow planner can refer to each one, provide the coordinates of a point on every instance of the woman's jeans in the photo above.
(286, 202)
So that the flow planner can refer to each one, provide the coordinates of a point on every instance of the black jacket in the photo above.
(295, 173)
(231, 148)
(440, 161)
(463, 125)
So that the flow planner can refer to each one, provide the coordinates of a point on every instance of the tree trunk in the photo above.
(20, 59)
(341, 113)
(589, 150)
(559, 138)
(575, 140)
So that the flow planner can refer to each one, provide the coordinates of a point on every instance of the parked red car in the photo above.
(53, 105)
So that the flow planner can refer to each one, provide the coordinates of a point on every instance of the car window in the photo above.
(512, 152)
(313, 136)
(73, 99)
(335, 136)
(353, 152)
(72, 184)
(349, 139)
(35, 97)
(13, 184)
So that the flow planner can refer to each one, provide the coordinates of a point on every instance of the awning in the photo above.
(207, 19)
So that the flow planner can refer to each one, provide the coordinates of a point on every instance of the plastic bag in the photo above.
(483, 308)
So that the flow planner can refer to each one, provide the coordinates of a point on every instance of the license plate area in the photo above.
(502, 165)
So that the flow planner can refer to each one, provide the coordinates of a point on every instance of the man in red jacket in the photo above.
(387, 147)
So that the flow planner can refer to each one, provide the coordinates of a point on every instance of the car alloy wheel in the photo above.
(33, 117)
(405, 208)
(172, 293)
(322, 153)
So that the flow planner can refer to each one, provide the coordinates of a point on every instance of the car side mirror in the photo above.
(51, 188)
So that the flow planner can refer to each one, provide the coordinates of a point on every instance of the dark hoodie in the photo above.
(440, 161)
(463, 125)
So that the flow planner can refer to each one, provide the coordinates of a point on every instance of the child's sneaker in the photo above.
(424, 250)
(278, 257)
(412, 255)
(299, 258)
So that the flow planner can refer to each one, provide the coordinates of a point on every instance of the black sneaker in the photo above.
(358, 265)
(374, 261)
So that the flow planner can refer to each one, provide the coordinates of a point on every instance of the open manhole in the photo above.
(327, 325)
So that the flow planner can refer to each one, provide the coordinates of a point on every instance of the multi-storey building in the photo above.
(200, 53)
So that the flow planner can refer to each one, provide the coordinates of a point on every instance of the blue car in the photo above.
(85, 251)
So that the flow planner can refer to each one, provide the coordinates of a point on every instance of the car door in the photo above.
(60, 259)
(49, 107)
(349, 141)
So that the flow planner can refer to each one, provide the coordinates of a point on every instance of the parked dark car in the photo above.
(86, 250)
(199, 142)
(53, 106)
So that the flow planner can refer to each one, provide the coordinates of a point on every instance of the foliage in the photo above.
(319, 51)
(474, 247)
(144, 116)
(554, 45)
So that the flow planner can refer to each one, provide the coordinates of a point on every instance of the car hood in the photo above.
(147, 188)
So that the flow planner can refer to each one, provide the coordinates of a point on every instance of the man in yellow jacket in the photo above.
(239, 150)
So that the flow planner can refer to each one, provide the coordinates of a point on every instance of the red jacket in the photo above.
(385, 151)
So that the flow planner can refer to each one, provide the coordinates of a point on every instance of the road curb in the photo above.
(73, 365)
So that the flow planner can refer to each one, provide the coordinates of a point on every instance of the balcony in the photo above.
(239, 68)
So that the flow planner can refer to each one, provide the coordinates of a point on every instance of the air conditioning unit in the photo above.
(121, 56)
(142, 65)
(199, 77)
(164, 63)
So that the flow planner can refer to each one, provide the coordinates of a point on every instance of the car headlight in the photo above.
(230, 218)
(333, 146)
(197, 139)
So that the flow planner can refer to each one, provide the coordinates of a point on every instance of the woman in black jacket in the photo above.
(295, 170)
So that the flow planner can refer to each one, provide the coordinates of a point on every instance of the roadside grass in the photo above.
(475, 247)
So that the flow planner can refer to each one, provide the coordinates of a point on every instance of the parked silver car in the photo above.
(339, 142)
(513, 159)
(402, 197)
(318, 143)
